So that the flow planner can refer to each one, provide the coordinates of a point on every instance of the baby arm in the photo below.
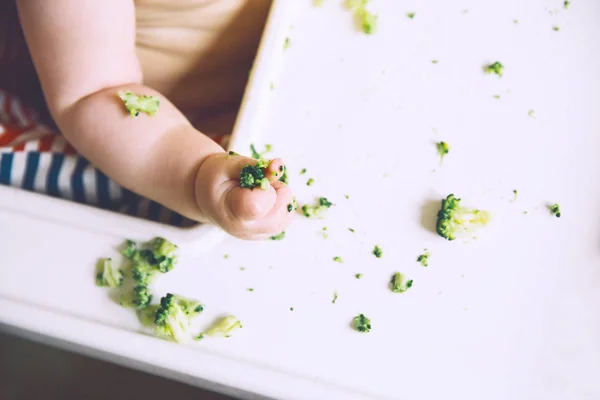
(84, 53)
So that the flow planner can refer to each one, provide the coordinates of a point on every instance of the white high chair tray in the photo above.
(513, 314)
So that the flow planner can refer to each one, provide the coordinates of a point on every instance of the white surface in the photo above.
(514, 314)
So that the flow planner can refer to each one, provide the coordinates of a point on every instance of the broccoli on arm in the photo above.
(225, 326)
(108, 274)
(174, 315)
(454, 220)
(139, 103)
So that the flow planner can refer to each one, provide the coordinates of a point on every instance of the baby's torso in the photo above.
(196, 52)
(199, 52)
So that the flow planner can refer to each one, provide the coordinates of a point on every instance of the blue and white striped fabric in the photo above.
(72, 177)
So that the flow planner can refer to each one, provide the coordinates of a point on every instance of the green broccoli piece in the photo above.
(141, 297)
(567, 4)
(423, 259)
(362, 323)
(442, 149)
(302, 171)
(556, 28)
(335, 297)
(279, 236)
(174, 315)
(317, 211)
(358, 276)
(253, 176)
(453, 220)
(164, 254)
(130, 249)
(366, 20)
(108, 275)
(310, 182)
(225, 326)
(410, 15)
(377, 252)
(286, 43)
(555, 210)
(399, 283)
(139, 103)
(495, 68)
(256, 155)
(338, 259)
(317, 3)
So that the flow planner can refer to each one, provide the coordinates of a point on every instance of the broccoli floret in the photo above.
(108, 275)
(453, 220)
(310, 182)
(174, 315)
(442, 149)
(495, 68)
(253, 176)
(377, 252)
(143, 273)
(399, 283)
(317, 211)
(225, 326)
(130, 249)
(410, 15)
(279, 236)
(164, 254)
(139, 103)
(358, 276)
(555, 210)
(302, 171)
(338, 259)
(423, 259)
(362, 323)
(141, 297)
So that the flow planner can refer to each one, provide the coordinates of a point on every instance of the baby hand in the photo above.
(242, 212)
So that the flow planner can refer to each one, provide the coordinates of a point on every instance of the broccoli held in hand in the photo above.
(108, 275)
(253, 176)
(139, 103)
(225, 326)
(174, 315)
(454, 220)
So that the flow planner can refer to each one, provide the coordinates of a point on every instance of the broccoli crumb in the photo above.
(302, 171)
(377, 252)
(567, 4)
(423, 259)
(338, 259)
(310, 182)
(496, 96)
(139, 103)
(399, 283)
(556, 28)
(291, 308)
(226, 256)
(515, 195)
(351, 230)
(434, 61)
(531, 113)
(410, 15)
(335, 297)
(358, 276)
(366, 20)
(286, 43)
(290, 207)
(225, 326)
(279, 236)
(317, 211)
(495, 68)
(250, 289)
(256, 155)
(347, 196)
(555, 210)
(173, 316)
(200, 336)
(453, 220)
(442, 149)
(362, 323)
